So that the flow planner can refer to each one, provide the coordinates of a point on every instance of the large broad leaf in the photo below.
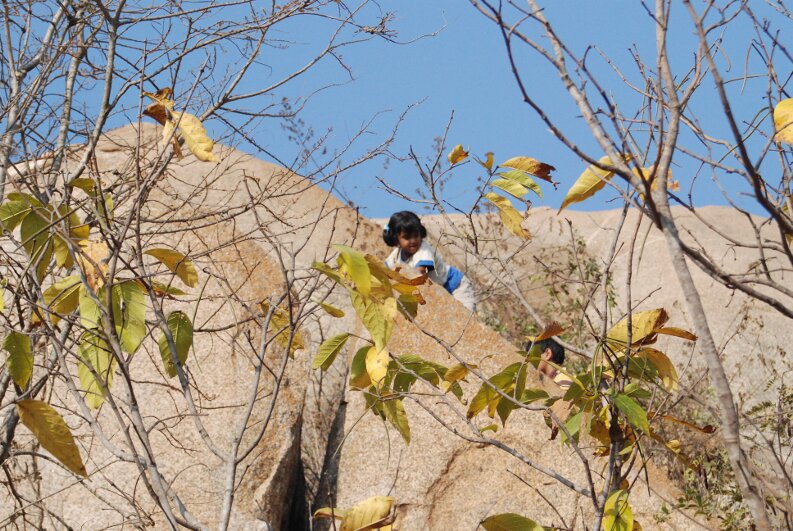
(35, 235)
(523, 179)
(487, 396)
(457, 154)
(643, 328)
(61, 298)
(12, 213)
(328, 351)
(90, 311)
(617, 514)
(592, 180)
(93, 261)
(666, 370)
(513, 188)
(52, 433)
(129, 314)
(532, 166)
(510, 217)
(195, 136)
(634, 412)
(394, 411)
(510, 522)
(20, 358)
(783, 121)
(178, 263)
(378, 318)
(354, 265)
(95, 354)
(377, 364)
(550, 330)
(280, 327)
(372, 513)
(359, 377)
(331, 310)
(182, 332)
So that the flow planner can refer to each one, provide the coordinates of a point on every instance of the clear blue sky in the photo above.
(464, 69)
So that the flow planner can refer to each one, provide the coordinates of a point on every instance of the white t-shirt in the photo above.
(447, 276)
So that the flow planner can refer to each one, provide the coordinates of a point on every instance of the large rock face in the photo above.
(254, 230)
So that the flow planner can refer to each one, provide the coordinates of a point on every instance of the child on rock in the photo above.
(405, 232)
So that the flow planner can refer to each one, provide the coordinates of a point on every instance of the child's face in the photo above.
(409, 243)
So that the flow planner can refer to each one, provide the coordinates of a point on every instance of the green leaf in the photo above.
(95, 353)
(178, 263)
(52, 433)
(522, 179)
(487, 396)
(355, 266)
(359, 378)
(182, 332)
(510, 522)
(394, 411)
(164, 289)
(617, 514)
(90, 311)
(635, 414)
(20, 358)
(328, 271)
(12, 213)
(378, 318)
(328, 351)
(129, 314)
(513, 188)
(35, 235)
(85, 184)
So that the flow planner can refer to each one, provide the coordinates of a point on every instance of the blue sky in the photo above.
(463, 69)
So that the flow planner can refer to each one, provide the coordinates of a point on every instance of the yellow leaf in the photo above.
(164, 97)
(20, 358)
(513, 188)
(551, 330)
(488, 162)
(510, 522)
(677, 332)
(457, 154)
(355, 266)
(178, 263)
(666, 370)
(167, 133)
(532, 166)
(372, 513)
(280, 326)
(643, 325)
(195, 136)
(93, 262)
(378, 318)
(60, 298)
(330, 309)
(94, 352)
(510, 217)
(376, 365)
(783, 121)
(617, 514)
(328, 351)
(592, 180)
(52, 433)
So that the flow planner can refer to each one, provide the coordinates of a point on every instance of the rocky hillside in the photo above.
(321, 446)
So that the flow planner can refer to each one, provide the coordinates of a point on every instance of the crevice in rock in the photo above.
(326, 492)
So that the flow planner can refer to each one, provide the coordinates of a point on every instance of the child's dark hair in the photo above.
(557, 350)
(406, 223)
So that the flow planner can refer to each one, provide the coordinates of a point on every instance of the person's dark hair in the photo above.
(406, 223)
(557, 350)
